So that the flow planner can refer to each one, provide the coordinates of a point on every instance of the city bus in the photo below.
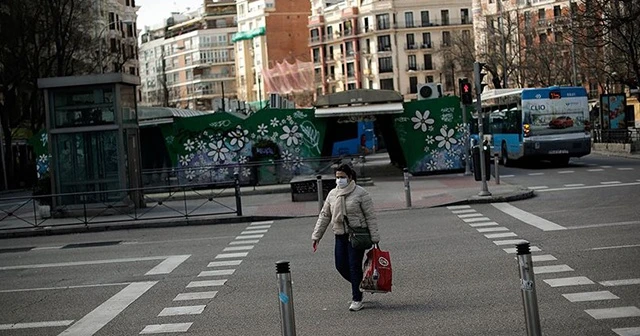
(538, 123)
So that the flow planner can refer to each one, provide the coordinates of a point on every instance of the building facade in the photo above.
(189, 61)
(283, 40)
(536, 43)
(116, 33)
(384, 44)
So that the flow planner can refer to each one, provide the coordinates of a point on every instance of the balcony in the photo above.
(384, 48)
(315, 40)
(432, 23)
(385, 70)
(316, 20)
(426, 45)
(445, 44)
(411, 46)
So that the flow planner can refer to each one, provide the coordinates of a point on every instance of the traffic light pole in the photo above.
(477, 70)
(467, 138)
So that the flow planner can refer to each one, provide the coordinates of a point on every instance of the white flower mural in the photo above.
(218, 151)
(291, 135)
(190, 174)
(238, 137)
(189, 145)
(422, 121)
(184, 160)
(446, 138)
(201, 145)
(286, 155)
(246, 172)
(429, 139)
(274, 122)
(263, 129)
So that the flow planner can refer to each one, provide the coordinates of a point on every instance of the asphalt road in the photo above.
(449, 277)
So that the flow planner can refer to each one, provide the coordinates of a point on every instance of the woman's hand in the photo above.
(315, 245)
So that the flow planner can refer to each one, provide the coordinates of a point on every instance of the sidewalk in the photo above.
(274, 201)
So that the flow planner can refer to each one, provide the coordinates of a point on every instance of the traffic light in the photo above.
(466, 92)
(479, 76)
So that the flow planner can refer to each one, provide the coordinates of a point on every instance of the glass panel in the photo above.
(88, 162)
(83, 107)
(128, 104)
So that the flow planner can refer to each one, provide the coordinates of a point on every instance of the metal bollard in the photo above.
(407, 187)
(285, 295)
(496, 163)
(362, 166)
(528, 289)
(320, 192)
(236, 176)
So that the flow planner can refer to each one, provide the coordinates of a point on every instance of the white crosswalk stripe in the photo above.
(571, 281)
(590, 296)
(166, 328)
(184, 310)
(617, 312)
(633, 331)
(551, 269)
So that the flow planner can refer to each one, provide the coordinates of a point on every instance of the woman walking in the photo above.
(350, 200)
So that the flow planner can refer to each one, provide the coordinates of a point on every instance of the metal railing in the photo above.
(117, 206)
(615, 135)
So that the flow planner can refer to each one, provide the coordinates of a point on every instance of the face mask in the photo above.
(342, 182)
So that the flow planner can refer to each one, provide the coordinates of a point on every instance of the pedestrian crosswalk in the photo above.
(501, 236)
(216, 275)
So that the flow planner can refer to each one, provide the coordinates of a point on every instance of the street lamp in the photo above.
(574, 70)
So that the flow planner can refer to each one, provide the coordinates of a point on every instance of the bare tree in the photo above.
(460, 54)
(500, 49)
(38, 38)
(613, 27)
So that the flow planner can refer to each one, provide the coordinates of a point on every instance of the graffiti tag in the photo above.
(220, 124)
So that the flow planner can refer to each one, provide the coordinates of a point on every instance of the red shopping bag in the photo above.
(377, 271)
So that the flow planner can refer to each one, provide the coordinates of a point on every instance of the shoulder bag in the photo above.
(360, 237)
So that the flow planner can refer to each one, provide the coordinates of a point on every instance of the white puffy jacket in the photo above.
(359, 211)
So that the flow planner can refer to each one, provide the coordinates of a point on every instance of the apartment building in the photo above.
(284, 40)
(385, 44)
(539, 43)
(189, 60)
(116, 32)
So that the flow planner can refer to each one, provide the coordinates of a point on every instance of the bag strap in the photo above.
(345, 219)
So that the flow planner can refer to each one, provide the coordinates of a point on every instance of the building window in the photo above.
(408, 19)
(316, 55)
(351, 86)
(351, 72)
(446, 39)
(315, 35)
(541, 14)
(543, 38)
(386, 84)
(384, 43)
(349, 48)
(424, 18)
(559, 37)
(411, 41)
(385, 64)
(382, 21)
(112, 21)
(464, 16)
(428, 79)
(527, 19)
(556, 11)
(466, 35)
(426, 40)
(445, 17)
(428, 62)
(413, 84)
(412, 64)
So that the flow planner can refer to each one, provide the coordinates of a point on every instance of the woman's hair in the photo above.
(346, 168)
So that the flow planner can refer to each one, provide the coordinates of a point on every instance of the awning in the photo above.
(359, 110)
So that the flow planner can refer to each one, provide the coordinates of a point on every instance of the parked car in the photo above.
(561, 122)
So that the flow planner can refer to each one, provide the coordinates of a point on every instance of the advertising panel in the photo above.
(557, 110)
(613, 111)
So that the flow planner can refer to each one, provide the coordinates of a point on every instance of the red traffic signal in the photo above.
(466, 92)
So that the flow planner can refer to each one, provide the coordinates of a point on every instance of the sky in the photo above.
(154, 12)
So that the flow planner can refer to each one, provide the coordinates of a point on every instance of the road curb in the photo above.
(511, 197)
